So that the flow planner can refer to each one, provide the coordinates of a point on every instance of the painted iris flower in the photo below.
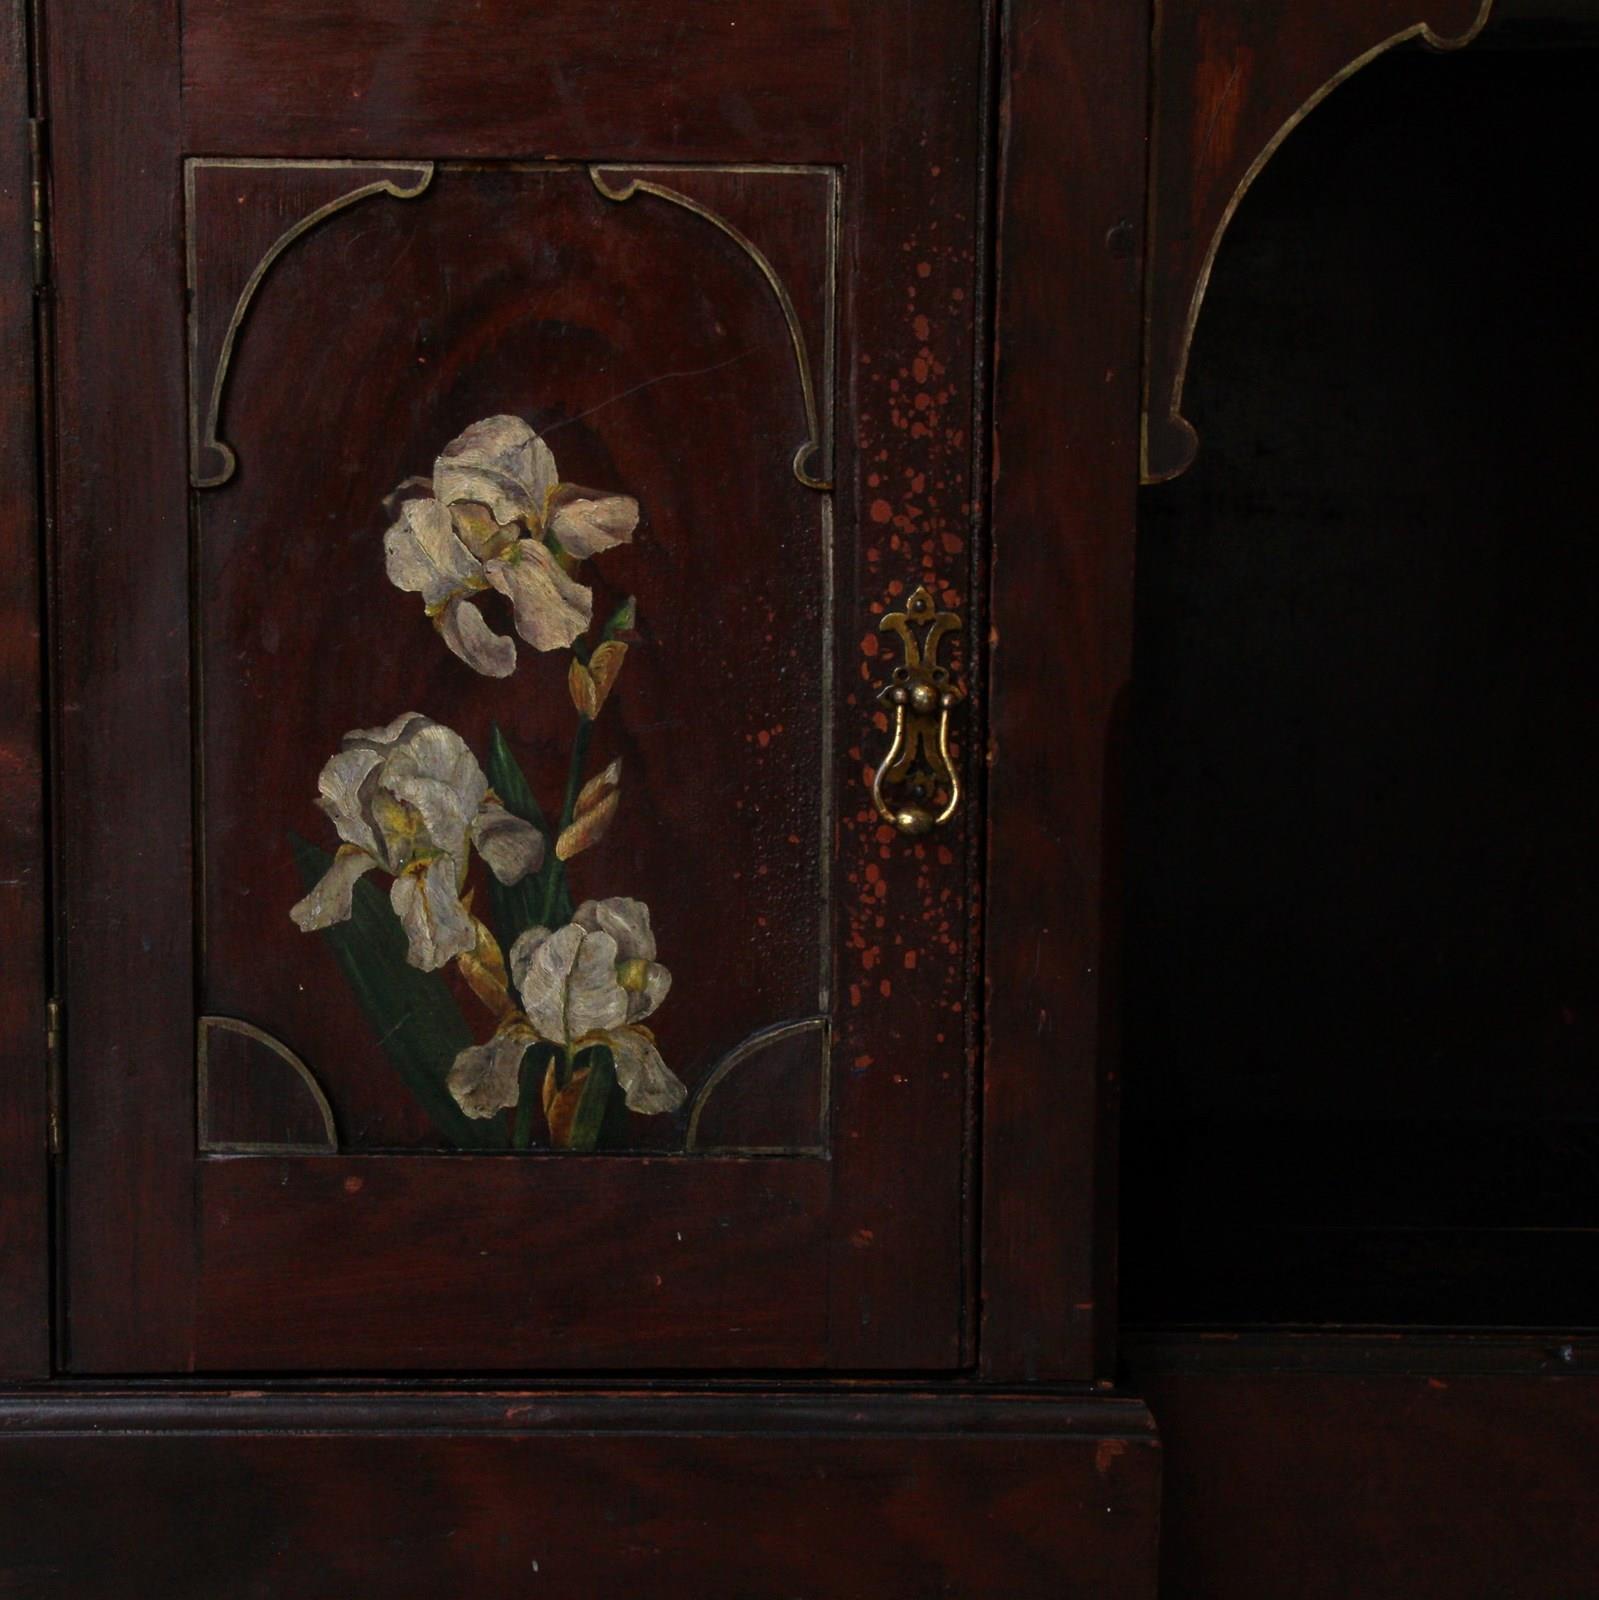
(592, 982)
(412, 800)
(501, 519)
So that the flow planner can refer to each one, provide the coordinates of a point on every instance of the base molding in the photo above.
(732, 1491)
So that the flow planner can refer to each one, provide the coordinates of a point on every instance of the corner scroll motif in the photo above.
(813, 463)
(297, 197)
(1197, 185)
(256, 1096)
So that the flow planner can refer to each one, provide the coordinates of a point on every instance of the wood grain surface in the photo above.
(718, 1497)
(1064, 479)
(371, 340)
(1435, 1484)
(24, 853)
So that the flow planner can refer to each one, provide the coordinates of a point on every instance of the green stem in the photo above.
(527, 1099)
(574, 777)
(574, 783)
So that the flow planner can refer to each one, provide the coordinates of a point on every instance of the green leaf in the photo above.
(530, 1091)
(517, 906)
(588, 1121)
(507, 781)
(418, 1024)
(560, 904)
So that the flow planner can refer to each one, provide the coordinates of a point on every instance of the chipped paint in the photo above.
(905, 903)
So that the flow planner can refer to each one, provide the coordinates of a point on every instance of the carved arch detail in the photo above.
(762, 1041)
(258, 209)
(1233, 81)
(255, 1095)
(275, 203)
(816, 448)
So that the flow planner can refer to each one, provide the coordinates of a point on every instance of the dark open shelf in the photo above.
(1362, 1015)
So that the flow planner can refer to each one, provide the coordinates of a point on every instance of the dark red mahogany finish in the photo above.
(878, 1363)
(218, 629)
(371, 341)
(1427, 1469)
(24, 972)
(718, 1497)
(233, 624)
(1065, 471)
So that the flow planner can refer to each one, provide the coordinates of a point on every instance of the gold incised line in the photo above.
(753, 1045)
(203, 1083)
(201, 441)
(1173, 416)
(813, 445)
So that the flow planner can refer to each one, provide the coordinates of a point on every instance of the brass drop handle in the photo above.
(920, 697)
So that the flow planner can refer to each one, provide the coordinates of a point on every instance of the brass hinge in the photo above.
(52, 1049)
(39, 190)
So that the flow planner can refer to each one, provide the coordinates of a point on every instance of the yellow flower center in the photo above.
(400, 822)
(633, 975)
(480, 533)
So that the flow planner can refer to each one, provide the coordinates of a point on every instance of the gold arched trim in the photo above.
(203, 438)
(284, 1054)
(1422, 31)
(814, 449)
(741, 1052)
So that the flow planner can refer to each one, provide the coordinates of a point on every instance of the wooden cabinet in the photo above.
(509, 810)
(579, 763)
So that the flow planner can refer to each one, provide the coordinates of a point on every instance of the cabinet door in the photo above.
(503, 453)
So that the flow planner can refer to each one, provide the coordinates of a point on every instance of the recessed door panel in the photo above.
(632, 728)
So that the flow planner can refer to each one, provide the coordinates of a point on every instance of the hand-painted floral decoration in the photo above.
(591, 983)
(500, 518)
(411, 799)
(569, 1003)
